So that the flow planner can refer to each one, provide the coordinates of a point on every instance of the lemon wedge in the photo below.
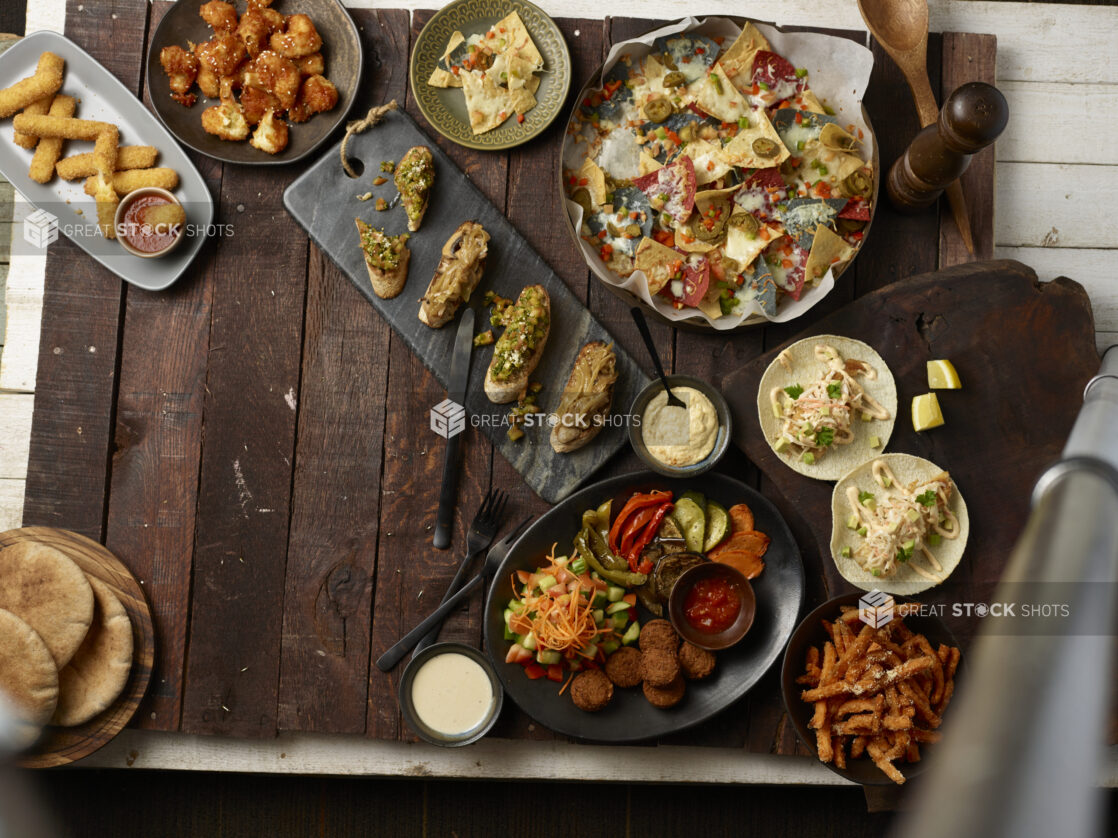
(942, 376)
(925, 412)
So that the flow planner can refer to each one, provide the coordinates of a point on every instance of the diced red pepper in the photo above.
(555, 673)
(534, 670)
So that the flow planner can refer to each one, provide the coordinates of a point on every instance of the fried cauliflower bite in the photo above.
(255, 103)
(316, 95)
(274, 74)
(270, 134)
(221, 16)
(298, 38)
(255, 27)
(311, 65)
(181, 68)
(223, 55)
(259, 4)
(226, 121)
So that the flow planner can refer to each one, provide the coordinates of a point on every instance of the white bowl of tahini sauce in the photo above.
(450, 695)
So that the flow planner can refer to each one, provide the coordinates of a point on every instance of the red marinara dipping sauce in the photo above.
(711, 605)
(143, 236)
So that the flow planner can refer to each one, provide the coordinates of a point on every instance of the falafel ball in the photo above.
(667, 696)
(696, 663)
(659, 668)
(591, 690)
(623, 667)
(659, 634)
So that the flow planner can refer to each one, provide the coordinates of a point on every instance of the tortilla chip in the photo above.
(906, 581)
(487, 104)
(737, 61)
(709, 305)
(828, 248)
(519, 40)
(659, 263)
(439, 76)
(708, 160)
(595, 181)
(762, 285)
(739, 151)
(803, 368)
(717, 96)
(802, 217)
(649, 164)
(685, 238)
(811, 102)
(834, 138)
(742, 248)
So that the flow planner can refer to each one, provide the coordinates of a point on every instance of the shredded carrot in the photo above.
(563, 688)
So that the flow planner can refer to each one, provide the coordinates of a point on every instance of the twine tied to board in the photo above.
(357, 126)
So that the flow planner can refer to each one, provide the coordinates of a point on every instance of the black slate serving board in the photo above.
(324, 201)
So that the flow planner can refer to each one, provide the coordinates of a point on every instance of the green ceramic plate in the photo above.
(445, 108)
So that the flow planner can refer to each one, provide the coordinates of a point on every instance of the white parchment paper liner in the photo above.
(838, 73)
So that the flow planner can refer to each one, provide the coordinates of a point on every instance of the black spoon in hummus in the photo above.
(642, 327)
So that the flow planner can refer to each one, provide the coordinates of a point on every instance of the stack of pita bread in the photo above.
(65, 641)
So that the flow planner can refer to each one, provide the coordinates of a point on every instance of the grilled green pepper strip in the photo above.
(608, 559)
(623, 578)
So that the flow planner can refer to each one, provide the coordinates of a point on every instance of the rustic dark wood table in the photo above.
(252, 443)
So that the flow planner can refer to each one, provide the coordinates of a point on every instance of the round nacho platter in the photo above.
(614, 282)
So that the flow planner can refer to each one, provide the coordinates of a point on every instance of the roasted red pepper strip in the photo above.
(635, 527)
(646, 536)
(637, 501)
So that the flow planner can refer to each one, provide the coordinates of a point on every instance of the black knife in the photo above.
(454, 424)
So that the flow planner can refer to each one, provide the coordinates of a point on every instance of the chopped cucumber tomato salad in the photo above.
(564, 618)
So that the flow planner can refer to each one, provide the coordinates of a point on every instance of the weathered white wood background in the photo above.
(1057, 198)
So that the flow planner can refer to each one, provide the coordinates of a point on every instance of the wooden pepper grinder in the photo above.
(971, 118)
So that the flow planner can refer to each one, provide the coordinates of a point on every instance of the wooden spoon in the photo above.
(901, 27)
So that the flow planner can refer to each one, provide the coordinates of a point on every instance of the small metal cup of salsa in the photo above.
(145, 226)
(712, 606)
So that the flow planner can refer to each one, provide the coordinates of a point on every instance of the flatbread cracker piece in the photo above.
(28, 678)
(44, 588)
(98, 672)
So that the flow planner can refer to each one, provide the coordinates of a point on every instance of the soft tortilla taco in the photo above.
(899, 524)
(827, 404)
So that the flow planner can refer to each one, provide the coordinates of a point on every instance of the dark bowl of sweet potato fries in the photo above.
(867, 690)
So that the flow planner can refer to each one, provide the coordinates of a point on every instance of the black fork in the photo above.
(492, 561)
(482, 531)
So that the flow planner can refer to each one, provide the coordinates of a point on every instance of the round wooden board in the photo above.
(63, 745)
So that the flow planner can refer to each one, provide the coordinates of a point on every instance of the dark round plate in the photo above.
(445, 108)
(629, 717)
(341, 47)
(810, 632)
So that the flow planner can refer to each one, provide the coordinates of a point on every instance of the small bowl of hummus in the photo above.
(676, 441)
